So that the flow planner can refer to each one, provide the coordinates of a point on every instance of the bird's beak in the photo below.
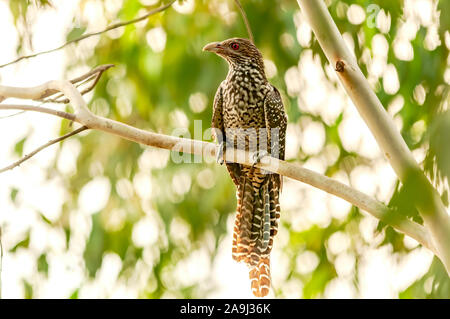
(212, 47)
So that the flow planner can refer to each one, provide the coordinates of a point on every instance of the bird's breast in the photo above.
(243, 104)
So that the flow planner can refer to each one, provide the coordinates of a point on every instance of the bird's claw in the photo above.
(220, 157)
(257, 156)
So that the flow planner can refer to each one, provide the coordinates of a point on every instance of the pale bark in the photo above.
(382, 126)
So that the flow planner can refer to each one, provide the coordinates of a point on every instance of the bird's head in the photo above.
(237, 52)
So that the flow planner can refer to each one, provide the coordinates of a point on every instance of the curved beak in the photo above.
(212, 47)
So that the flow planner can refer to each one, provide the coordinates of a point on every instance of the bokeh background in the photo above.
(101, 217)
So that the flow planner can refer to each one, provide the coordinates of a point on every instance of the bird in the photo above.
(248, 114)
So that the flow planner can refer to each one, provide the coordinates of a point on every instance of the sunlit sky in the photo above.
(381, 273)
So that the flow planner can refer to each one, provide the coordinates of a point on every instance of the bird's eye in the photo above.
(235, 46)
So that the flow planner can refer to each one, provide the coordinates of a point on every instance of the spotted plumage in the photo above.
(248, 113)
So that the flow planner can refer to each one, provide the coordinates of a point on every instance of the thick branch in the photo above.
(88, 35)
(380, 123)
(294, 171)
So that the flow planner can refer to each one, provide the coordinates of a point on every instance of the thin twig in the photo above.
(41, 109)
(37, 150)
(95, 75)
(57, 99)
(100, 68)
(88, 35)
(244, 17)
(11, 115)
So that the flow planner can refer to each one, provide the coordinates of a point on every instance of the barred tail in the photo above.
(242, 236)
(256, 224)
(266, 219)
(260, 278)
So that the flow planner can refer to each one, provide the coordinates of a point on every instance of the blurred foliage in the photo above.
(434, 284)
(155, 91)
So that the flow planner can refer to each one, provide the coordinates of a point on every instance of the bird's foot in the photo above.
(257, 156)
(220, 159)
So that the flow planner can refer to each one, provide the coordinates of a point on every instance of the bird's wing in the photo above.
(218, 132)
(217, 118)
(276, 120)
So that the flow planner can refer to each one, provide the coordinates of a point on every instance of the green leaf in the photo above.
(13, 194)
(45, 3)
(18, 148)
(434, 284)
(28, 289)
(75, 33)
(42, 264)
(95, 246)
(45, 219)
(74, 295)
(23, 243)
(18, 8)
(320, 278)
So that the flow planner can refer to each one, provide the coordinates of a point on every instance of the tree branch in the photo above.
(94, 74)
(381, 124)
(11, 115)
(41, 109)
(37, 150)
(88, 35)
(244, 17)
(85, 117)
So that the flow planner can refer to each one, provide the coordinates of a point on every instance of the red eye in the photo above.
(235, 46)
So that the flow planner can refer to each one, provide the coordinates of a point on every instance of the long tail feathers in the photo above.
(266, 220)
(242, 236)
(260, 278)
(256, 224)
